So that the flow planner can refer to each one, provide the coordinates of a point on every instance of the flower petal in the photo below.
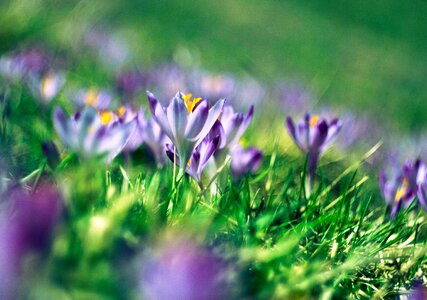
(197, 119)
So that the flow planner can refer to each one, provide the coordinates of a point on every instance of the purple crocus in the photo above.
(92, 134)
(181, 269)
(130, 83)
(422, 188)
(234, 124)
(185, 121)
(401, 188)
(313, 136)
(93, 97)
(27, 63)
(47, 87)
(419, 291)
(199, 158)
(26, 227)
(244, 161)
(155, 139)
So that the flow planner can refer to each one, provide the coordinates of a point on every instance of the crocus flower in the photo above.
(27, 63)
(181, 269)
(93, 97)
(9, 268)
(244, 161)
(419, 291)
(48, 86)
(34, 216)
(294, 97)
(401, 189)
(91, 133)
(167, 79)
(212, 85)
(199, 158)
(126, 115)
(185, 121)
(313, 135)
(112, 50)
(26, 227)
(155, 139)
(234, 124)
(130, 83)
(422, 191)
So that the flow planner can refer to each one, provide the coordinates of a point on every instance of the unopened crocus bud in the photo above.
(244, 161)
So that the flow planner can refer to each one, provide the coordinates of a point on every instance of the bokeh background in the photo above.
(366, 56)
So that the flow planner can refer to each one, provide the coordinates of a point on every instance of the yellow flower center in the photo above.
(190, 103)
(106, 117)
(313, 121)
(401, 191)
(91, 97)
(47, 85)
(121, 111)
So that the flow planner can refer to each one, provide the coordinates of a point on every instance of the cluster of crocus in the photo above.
(199, 133)
(181, 269)
(34, 68)
(186, 121)
(401, 188)
(313, 135)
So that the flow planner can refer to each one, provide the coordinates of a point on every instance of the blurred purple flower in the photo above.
(244, 161)
(34, 216)
(130, 83)
(185, 121)
(27, 227)
(47, 87)
(93, 97)
(112, 50)
(419, 291)
(313, 135)
(8, 262)
(199, 158)
(167, 79)
(180, 269)
(27, 63)
(294, 97)
(155, 139)
(401, 188)
(234, 124)
(213, 86)
(90, 133)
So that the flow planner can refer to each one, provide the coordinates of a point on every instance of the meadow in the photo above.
(182, 150)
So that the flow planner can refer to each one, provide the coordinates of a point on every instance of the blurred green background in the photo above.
(367, 56)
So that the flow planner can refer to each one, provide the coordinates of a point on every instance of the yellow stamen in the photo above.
(91, 97)
(313, 121)
(189, 163)
(106, 117)
(121, 111)
(190, 103)
(401, 191)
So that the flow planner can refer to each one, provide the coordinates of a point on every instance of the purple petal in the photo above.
(197, 119)
(318, 137)
(422, 196)
(159, 115)
(213, 115)
(177, 116)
